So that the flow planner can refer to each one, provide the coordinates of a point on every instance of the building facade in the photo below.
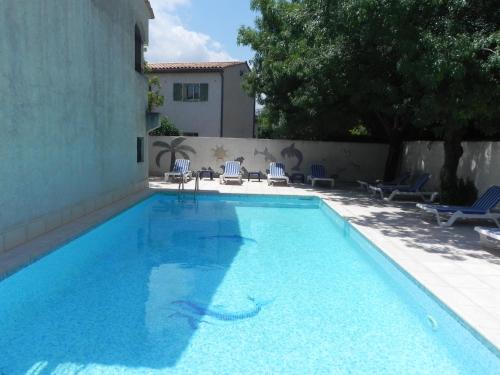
(72, 114)
(206, 99)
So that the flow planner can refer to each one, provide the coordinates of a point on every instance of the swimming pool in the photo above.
(228, 285)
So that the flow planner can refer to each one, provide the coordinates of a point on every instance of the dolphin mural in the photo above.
(293, 152)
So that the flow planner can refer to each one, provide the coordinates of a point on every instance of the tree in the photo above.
(461, 90)
(167, 128)
(155, 98)
(400, 67)
(324, 66)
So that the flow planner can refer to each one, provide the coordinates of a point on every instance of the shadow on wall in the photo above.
(480, 164)
(477, 163)
(133, 293)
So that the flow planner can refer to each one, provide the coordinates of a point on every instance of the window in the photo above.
(138, 49)
(140, 149)
(190, 134)
(190, 92)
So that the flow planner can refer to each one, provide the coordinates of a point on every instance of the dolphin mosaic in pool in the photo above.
(201, 310)
(228, 237)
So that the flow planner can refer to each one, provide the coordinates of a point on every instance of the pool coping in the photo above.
(22, 256)
(483, 340)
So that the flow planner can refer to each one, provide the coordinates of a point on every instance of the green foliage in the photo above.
(399, 66)
(155, 99)
(359, 131)
(167, 128)
(464, 194)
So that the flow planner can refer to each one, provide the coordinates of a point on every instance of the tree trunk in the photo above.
(453, 151)
(393, 157)
(395, 135)
(172, 159)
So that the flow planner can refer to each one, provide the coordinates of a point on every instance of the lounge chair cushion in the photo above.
(232, 169)
(181, 166)
(277, 170)
(318, 171)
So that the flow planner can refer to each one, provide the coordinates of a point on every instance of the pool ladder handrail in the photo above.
(181, 188)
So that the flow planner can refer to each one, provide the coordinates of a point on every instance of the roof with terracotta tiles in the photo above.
(192, 66)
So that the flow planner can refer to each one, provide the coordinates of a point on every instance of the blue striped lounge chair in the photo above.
(318, 173)
(489, 237)
(180, 170)
(232, 172)
(276, 173)
(398, 181)
(413, 190)
(481, 209)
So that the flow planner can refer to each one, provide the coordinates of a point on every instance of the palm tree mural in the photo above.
(292, 152)
(175, 147)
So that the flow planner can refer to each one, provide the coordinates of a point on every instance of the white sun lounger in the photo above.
(232, 172)
(489, 237)
(489, 232)
(180, 169)
(276, 173)
(411, 191)
(397, 182)
(481, 209)
(318, 173)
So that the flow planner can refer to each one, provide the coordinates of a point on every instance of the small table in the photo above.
(205, 171)
(253, 175)
(298, 177)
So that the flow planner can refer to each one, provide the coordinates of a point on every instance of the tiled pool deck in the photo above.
(449, 262)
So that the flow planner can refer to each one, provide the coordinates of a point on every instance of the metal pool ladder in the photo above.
(181, 189)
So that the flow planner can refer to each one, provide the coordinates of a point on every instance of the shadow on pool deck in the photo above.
(132, 321)
(405, 222)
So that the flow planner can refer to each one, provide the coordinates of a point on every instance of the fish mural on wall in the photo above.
(348, 155)
(267, 155)
(194, 312)
(349, 164)
(293, 152)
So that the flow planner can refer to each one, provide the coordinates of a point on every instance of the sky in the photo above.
(198, 30)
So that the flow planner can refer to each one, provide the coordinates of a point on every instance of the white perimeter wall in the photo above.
(350, 161)
(480, 161)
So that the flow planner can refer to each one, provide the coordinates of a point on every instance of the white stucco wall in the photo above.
(203, 118)
(239, 107)
(350, 161)
(72, 107)
(480, 161)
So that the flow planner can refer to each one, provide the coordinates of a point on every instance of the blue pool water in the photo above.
(227, 285)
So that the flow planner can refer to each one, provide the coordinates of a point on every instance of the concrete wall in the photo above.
(350, 161)
(203, 118)
(480, 161)
(239, 107)
(72, 106)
